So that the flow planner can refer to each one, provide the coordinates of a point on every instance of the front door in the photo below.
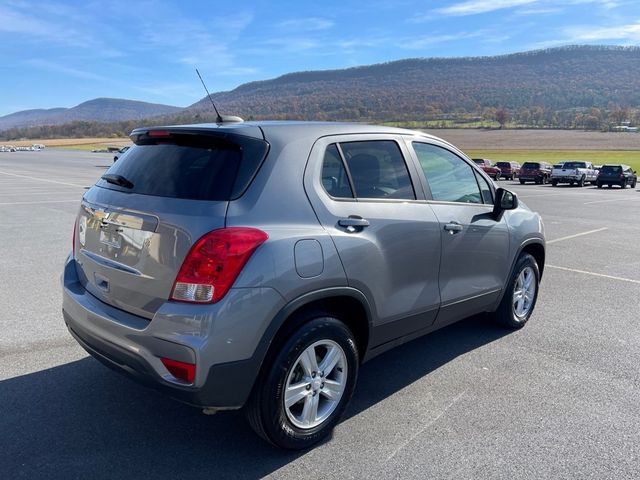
(475, 244)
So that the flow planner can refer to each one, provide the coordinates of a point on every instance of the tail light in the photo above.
(214, 263)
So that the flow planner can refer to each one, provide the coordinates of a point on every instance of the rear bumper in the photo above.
(133, 345)
(531, 178)
(566, 178)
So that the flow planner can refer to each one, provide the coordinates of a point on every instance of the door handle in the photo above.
(453, 227)
(354, 223)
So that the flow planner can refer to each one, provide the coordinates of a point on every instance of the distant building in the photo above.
(625, 128)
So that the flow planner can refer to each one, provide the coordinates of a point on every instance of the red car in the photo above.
(486, 165)
(509, 170)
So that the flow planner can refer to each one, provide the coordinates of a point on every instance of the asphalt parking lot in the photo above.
(558, 399)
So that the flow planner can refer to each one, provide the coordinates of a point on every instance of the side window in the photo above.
(378, 170)
(485, 189)
(334, 175)
(449, 177)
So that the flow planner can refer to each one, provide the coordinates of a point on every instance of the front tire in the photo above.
(521, 294)
(303, 391)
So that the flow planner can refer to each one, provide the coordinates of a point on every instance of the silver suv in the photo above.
(257, 265)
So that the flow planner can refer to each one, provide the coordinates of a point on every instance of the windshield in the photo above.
(571, 165)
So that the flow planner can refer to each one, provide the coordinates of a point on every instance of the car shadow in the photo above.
(83, 420)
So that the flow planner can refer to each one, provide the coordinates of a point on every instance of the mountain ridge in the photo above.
(102, 109)
(564, 87)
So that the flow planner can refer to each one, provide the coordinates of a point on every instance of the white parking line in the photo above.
(601, 275)
(613, 200)
(77, 200)
(42, 179)
(569, 237)
(546, 195)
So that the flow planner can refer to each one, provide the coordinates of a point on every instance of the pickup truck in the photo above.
(489, 168)
(574, 173)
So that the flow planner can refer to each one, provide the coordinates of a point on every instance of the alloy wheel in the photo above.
(524, 292)
(315, 384)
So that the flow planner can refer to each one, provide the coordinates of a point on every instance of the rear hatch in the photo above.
(609, 172)
(137, 224)
(530, 169)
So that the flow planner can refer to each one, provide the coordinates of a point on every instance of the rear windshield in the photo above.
(575, 165)
(610, 169)
(531, 165)
(503, 164)
(479, 161)
(188, 167)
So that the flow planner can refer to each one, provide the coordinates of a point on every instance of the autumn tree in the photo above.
(502, 117)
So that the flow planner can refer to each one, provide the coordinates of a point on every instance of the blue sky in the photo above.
(66, 52)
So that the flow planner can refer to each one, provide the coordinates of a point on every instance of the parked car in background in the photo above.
(537, 172)
(509, 170)
(234, 264)
(488, 167)
(574, 173)
(617, 174)
(120, 152)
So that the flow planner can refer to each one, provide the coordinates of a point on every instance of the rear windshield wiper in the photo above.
(117, 180)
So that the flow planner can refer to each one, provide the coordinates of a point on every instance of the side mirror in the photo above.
(505, 200)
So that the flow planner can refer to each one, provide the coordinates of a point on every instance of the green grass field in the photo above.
(597, 157)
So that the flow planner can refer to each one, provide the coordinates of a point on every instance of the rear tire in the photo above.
(521, 182)
(521, 293)
(599, 185)
(581, 182)
(291, 406)
(633, 185)
(623, 184)
(554, 183)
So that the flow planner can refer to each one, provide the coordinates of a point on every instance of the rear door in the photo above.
(136, 227)
(475, 245)
(387, 237)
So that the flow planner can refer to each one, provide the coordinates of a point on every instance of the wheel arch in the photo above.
(534, 247)
(348, 304)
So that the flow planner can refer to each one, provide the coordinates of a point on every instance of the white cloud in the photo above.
(306, 24)
(473, 7)
(629, 32)
(59, 68)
